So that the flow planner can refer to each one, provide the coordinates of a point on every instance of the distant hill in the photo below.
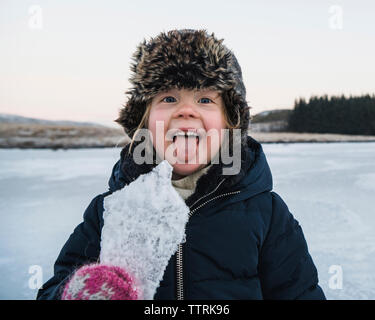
(23, 132)
(270, 121)
(271, 115)
(16, 119)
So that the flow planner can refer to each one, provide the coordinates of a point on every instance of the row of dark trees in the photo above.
(337, 114)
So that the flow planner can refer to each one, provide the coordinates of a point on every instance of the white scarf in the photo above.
(186, 185)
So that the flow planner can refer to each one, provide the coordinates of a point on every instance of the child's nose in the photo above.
(186, 110)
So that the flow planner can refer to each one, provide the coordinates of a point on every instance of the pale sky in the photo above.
(70, 60)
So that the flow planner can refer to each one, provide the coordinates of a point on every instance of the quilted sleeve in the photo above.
(286, 268)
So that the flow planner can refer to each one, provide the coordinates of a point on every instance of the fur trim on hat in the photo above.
(190, 59)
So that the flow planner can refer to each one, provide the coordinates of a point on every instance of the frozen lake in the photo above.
(329, 188)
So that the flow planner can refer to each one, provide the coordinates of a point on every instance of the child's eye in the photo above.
(169, 99)
(205, 100)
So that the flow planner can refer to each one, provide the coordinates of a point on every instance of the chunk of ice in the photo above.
(143, 224)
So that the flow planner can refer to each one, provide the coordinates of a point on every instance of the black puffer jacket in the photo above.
(241, 240)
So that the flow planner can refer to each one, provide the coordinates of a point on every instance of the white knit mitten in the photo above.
(143, 225)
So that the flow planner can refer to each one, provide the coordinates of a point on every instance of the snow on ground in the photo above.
(328, 188)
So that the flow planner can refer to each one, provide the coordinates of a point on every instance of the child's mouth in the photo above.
(186, 145)
(188, 135)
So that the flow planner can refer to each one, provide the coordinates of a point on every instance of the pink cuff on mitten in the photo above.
(100, 282)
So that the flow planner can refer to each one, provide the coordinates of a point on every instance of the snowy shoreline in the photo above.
(36, 136)
(122, 141)
(55, 148)
(292, 137)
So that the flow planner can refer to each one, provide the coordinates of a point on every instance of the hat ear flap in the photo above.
(237, 110)
(130, 115)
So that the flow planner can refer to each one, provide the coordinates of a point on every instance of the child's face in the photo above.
(199, 111)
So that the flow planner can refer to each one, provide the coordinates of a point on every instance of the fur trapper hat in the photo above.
(190, 59)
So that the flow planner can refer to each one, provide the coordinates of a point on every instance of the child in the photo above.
(241, 241)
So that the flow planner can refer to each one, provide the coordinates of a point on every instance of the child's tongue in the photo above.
(185, 148)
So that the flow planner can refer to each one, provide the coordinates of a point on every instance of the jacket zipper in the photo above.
(179, 254)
